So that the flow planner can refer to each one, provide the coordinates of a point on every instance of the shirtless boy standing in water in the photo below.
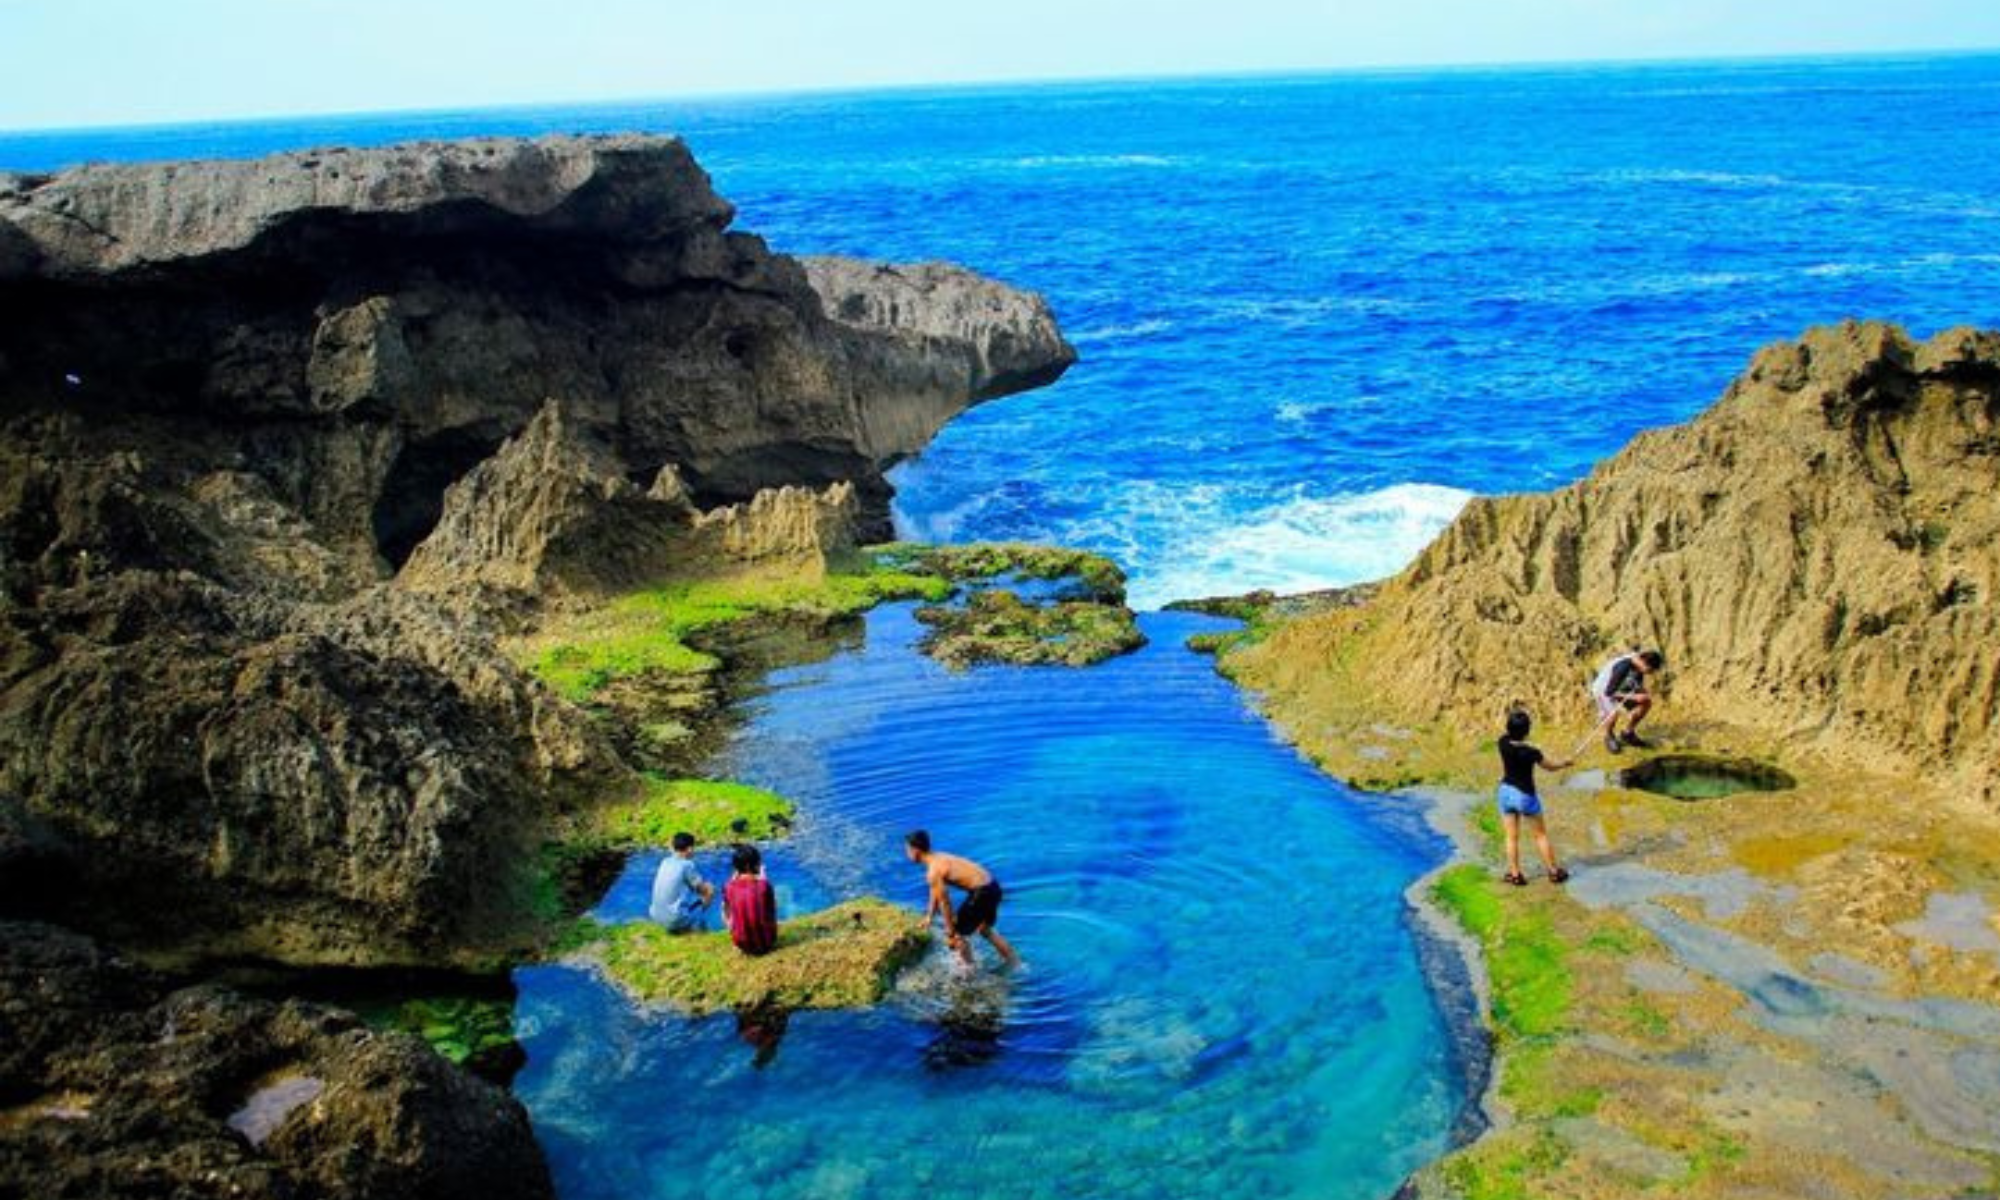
(976, 913)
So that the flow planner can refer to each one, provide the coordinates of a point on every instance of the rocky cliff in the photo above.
(551, 516)
(238, 398)
(386, 318)
(1818, 555)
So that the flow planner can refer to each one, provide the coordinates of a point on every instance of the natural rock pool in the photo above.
(1694, 777)
(1223, 993)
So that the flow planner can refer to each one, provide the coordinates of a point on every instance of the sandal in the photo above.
(1518, 880)
(1558, 875)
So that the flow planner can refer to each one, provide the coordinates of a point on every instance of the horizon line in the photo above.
(1000, 84)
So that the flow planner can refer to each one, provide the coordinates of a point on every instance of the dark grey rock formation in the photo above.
(425, 300)
(233, 397)
(111, 1086)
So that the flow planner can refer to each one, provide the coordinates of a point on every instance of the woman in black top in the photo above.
(1518, 761)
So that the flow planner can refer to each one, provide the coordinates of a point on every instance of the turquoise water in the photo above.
(1222, 994)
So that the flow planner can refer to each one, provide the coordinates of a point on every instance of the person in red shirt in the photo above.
(748, 905)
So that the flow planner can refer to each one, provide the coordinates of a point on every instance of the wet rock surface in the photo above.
(113, 1085)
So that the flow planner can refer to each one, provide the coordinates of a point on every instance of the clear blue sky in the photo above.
(86, 62)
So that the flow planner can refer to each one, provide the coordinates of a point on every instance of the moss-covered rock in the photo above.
(476, 1032)
(712, 810)
(655, 633)
(1095, 577)
(842, 957)
(999, 626)
(1261, 611)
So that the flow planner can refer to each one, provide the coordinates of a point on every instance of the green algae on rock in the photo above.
(999, 627)
(1096, 577)
(1261, 611)
(1084, 620)
(842, 957)
(713, 810)
(652, 632)
(476, 1032)
(662, 638)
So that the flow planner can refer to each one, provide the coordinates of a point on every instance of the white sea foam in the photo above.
(930, 527)
(1299, 412)
(1120, 333)
(1297, 545)
(1726, 179)
(1101, 161)
(1899, 266)
(1289, 313)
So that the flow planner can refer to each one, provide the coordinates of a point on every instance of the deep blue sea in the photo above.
(1315, 314)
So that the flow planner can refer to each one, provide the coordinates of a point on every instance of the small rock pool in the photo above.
(1695, 777)
(1223, 994)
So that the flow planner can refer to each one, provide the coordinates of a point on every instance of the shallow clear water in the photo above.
(1222, 992)
(1315, 312)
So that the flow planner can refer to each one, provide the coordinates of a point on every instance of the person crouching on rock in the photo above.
(1623, 683)
(976, 913)
(680, 895)
(1518, 800)
(748, 904)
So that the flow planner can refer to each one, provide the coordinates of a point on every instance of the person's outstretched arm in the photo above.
(937, 898)
(941, 903)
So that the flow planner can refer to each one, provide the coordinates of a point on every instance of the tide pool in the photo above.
(1222, 996)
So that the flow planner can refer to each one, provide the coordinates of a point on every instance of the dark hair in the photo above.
(921, 839)
(745, 859)
(683, 841)
(1653, 659)
(1519, 723)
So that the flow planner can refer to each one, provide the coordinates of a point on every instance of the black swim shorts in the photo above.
(980, 908)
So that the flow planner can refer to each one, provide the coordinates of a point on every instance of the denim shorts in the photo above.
(1514, 801)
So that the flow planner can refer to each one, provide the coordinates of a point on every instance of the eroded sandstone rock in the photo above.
(551, 515)
(1818, 555)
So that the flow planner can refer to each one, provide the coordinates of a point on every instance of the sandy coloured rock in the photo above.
(1818, 554)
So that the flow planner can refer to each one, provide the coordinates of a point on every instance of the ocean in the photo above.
(1316, 313)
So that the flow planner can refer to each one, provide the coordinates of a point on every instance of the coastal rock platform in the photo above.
(842, 957)
(1792, 992)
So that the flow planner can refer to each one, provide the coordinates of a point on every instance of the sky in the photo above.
(94, 62)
